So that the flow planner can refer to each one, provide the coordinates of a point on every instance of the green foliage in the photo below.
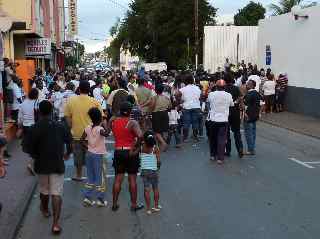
(158, 30)
(250, 15)
(285, 6)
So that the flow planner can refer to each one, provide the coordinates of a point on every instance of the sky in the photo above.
(96, 17)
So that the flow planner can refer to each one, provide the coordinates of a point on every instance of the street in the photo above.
(272, 195)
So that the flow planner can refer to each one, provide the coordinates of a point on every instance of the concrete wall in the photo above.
(19, 9)
(295, 49)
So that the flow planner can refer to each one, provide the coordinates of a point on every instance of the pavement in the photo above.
(16, 190)
(295, 122)
(272, 195)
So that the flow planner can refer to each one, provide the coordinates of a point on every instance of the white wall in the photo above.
(221, 43)
(295, 47)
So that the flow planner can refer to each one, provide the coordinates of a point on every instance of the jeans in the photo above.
(218, 139)
(237, 140)
(173, 130)
(95, 186)
(250, 133)
(191, 117)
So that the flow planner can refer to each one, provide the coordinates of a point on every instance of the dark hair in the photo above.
(149, 139)
(45, 108)
(189, 79)
(125, 109)
(159, 89)
(131, 99)
(70, 86)
(33, 94)
(84, 87)
(254, 84)
(95, 116)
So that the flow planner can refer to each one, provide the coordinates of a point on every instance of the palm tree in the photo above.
(286, 5)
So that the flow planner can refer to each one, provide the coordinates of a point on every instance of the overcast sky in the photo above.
(97, 16)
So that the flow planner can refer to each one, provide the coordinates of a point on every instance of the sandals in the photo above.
(56, 230)
(77, 179)
(137, 208)
(115, 208)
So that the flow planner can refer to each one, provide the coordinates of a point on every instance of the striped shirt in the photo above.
(282, 82)
(148, 161)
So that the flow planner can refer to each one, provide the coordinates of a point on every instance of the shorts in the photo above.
(123, 163)
(79, 154)
(150, 178)
(51, 184)
(269, 99)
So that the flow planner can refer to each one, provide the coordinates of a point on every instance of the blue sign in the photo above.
(268, 55)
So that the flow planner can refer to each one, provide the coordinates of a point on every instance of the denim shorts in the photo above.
(191, 117)
(150, 178)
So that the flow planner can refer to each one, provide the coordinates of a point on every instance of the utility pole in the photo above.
(196, 30)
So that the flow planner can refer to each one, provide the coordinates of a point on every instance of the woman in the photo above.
(26, 119)
(269, 91)
(160, 104)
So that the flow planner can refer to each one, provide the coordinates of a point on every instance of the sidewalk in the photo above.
(295, 122)
(15, 191)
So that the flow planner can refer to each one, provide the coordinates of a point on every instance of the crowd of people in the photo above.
(73, 112)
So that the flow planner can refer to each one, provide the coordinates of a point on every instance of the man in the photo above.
(116, 98)
(47, 145)
(282, 87)
(99, 94)
(76, 114)
(227, 65)
(220, 102)
(252, 112)
(234, 117)
(190, 96)
(256, 78)
(126, 134)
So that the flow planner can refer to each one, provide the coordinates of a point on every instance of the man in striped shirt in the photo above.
(282, 86)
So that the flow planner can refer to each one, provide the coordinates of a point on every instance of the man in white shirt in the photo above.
(99, 95)
(17, 100)
(190, 96)
(220, 102)
(254, 77)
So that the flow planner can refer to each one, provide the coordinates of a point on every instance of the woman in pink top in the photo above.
(94, 138)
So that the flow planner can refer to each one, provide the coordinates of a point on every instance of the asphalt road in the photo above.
(273, 195)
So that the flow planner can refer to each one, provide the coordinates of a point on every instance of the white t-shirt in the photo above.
(17, 93)
(26, 112)
(173, 117)
(269, 88)
(92, 83)
(66, 95)
(257, 79)
(57, 99)
(191, 97)
(220, 102)
(75, 83)
(97, 94)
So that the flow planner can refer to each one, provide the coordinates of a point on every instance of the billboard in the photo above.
(37, 46)
(73, 18)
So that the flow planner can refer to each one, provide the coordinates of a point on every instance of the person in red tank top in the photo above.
(127, 134)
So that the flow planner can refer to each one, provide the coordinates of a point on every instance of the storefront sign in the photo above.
(73, 18)
(38, 47)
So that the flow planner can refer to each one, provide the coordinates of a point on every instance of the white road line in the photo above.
(314, 162)
(301, 163)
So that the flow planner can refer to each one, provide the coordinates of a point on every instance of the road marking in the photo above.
(301, 163)
(314, 162)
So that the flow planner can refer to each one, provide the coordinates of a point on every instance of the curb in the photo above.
(290, 129)
(22, 210)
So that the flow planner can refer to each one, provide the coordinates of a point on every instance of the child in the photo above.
(94, 136)
(150, 164)
(174, 127)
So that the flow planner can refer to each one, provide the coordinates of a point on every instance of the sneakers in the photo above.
(101, 203)
(88, 203)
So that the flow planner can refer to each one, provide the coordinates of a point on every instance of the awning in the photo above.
(10, 23)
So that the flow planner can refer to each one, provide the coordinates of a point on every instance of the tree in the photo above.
(285, 6)
(158, 30)
(250, 15)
